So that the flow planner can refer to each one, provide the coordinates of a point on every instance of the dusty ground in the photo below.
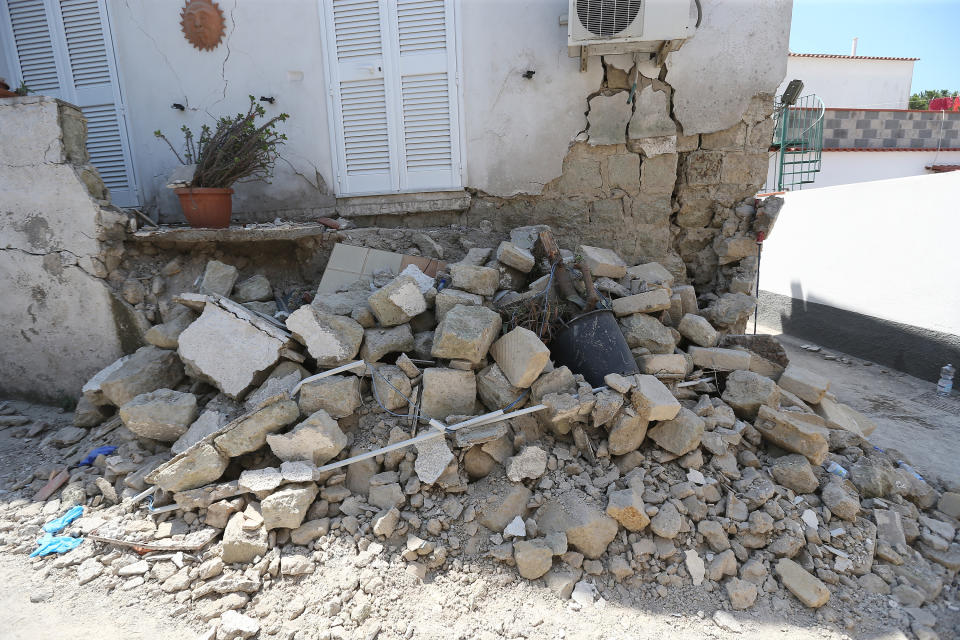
(480, 599)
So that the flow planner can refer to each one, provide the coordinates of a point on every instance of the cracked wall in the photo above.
(268, 49)
(59, 241)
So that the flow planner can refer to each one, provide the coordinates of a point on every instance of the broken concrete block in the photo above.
(502, 504)
(607, 406)
(534, 558)
(331, 340)
(521, 356)
(607, 118)
(837, 415)
(228, 350)
(730, 309)
(720, 359)
(698, 330)
(808, 589)
(680, 435)
(254, 289)
(560, 380)
(466, 333)
(433, 457)
(807, 385)
(162, 415)
(448, 392)
(795, 473)
(145, 370)
(278, 385)
(392, 386)
(386, 496)
(747, 391)
(646, 302)
(397, 302)
(653, 274)
(241, 544)
(449, 298)
(513, 256)
(602, 262)
(840, 498)
(589, 530)
(641, 330)
(199, 465)
(339, 396)
(166, 335)
(218, 278)
(287, 507)
(249, 432)
(260, 481)
(379, 342)
(651, 115)
(626, 507)
(482, 281)
(793, 434)
(652, 400)
(663, 364)
(318, 439)
(495, 390)
(530, 463)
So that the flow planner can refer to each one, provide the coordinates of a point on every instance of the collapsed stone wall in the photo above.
(60, 241)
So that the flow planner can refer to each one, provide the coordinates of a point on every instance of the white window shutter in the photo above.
(64, 49)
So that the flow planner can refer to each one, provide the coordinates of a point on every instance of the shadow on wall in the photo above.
(913, 350)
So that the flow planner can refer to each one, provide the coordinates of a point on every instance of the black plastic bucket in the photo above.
(593, 345)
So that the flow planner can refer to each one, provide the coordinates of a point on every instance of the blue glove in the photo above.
(59, 524)
(96, 452)
(55, 544)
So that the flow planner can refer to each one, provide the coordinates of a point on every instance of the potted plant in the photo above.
(236, 150)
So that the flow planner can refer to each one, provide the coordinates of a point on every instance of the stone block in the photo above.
(837, 415)
(808, 589)
(730, 309)
(502, 504)
(449, 298)
(793, 434)
(744, 168)
(331, 340)
(397, 302)
(379, 342)
(646, 302)
(607, 118)
(513, 256)
(626, 507)
(652, 400)
(746, 391)
(560, 380)
(653, 274)
(386, 496)
(698, 330)
(588, 529)
(703, 167)
(623, 172)
(602, 262)
(228, 351)
(671, 364)
(530, 463)
(466, 333)
(950, 504)
(147, 369)
(318, 439)
(795, 473)
(241, 544)
(218, 278)
(680, 435)
(167, 334)
(339, 396)
(197, 466)
(254, 289)
(720, 359)
(627, 433)
(448, 392)
(482, 281)
(162, 415)
(808, 386)
(392, 386)
(249, 432)
(641, 330)
(734, 249)
(287, 507)
(521, 356)
(495, 390)
(534, 558)
(651, 115)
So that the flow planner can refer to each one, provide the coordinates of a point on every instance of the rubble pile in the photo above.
(717, 463)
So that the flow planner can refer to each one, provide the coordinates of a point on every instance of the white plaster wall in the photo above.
(885, 249)
(853, 83)
(265, 43)
(739, 51)
(848, 167)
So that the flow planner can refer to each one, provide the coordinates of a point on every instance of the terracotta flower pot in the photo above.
(206, 208)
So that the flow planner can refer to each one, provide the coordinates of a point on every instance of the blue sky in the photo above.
(925, 29)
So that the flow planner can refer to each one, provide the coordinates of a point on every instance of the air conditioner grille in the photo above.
(607, 18)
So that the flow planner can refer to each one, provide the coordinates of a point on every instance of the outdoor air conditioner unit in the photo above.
(625, 26)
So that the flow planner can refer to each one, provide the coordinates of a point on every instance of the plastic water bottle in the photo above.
(835, 469)
(903, 465)
(945, 385)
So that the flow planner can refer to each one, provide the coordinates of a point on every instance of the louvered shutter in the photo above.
(427, 86)
(366, 145)
(63, 49)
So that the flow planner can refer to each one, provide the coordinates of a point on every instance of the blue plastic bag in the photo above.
(59, 524)
(55, 544)
(107, 450)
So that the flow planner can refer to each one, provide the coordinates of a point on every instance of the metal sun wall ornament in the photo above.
(203, 24)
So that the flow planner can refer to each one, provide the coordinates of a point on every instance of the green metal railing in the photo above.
(797, 143)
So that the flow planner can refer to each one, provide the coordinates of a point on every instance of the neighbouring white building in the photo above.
(852, 81)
